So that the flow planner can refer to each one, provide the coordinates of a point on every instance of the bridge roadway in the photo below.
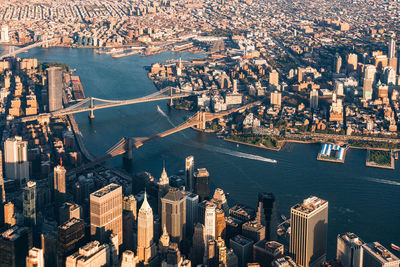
(26, 48)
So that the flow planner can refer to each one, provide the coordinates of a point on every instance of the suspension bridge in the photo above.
(126, 145)
(12, 52)
(91, 104)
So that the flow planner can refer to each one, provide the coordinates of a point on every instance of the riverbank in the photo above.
(253, 145)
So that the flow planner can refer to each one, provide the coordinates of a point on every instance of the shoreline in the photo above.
(253, 145)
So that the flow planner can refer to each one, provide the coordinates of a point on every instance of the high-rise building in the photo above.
(276, 98)
(174, 214)
(349, 250)
(128, 259)
(392, 48)
(192, 207)
(269, 209)
(376, 255)
(202, 184)
(299, 74)
(59, 185)
(68, 211)
(29, 203)
(106, 213)
(146, 248)
(254, 231)
(15, 244)
(163, 187)
(243, 248)
(265, 252)
(389, 75)
(16, 159)
(284, 262)
(129, 221)
(4, 38)
(338, 63)
(220, 224)
(35, 258)
(209, 221)
(92, 254)
(199, 244)
(55, 87)
(164, 241)
(9, 216)
(352, 62)
(314, 99)
(2, 190)
(309, 224)
(189, 169)
(71, 236)
(274, 79)
(368, 81)
(219, 199)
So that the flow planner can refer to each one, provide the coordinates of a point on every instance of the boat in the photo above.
(237, 145)
(283, 217)
(395, 247)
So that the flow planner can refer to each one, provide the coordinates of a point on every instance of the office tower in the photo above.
(209, 221)
(276, 98)
(55, 87)
(269, 209)
(163, 186)
(164, 241)
(392, 48)
(146, 248)
(4, 38)
(368, 81)
(338, 63)
(192, 207)
(383, 90)
(92, 254)
(219, 199)
(106, 213)
(35, 258)
(15, 244)
(274, 79)
(243, 248)
(210, 258)
(349, 250)
(49, 246)
(253, 230)
(231, 258)
(352, 62)
(375, 255)
(174, 214)
(68, 211)
(202, 184)
(389, 76)
(233, 228)
(174, 258)
(220, 224)
(309, 223)
(9, 216)
(189, 169)
(265, 252)
(2, 191)
(59, 185)
(16, 159)
(29, 203)
(242, 212)
(284, 262)
(129, 221)
(70, 237)
(128, 259)
(339, 88)
(299, 74)
(199, 244)
(221, 251)
(179, 68)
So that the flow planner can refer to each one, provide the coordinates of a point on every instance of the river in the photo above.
(361, 200)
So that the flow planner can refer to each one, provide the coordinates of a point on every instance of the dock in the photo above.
(377, 165)
(131, 53)
(332, 153)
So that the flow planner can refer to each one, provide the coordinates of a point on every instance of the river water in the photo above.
(361, 200)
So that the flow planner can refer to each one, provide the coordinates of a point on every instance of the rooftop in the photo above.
(174, 194)
(242, 240)
(201, 172)
(105, 190)
(71, 222)
(351, 238)
(309, 204)
(380, 252)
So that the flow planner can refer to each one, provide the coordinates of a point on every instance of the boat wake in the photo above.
(382, 181)
(223, 150)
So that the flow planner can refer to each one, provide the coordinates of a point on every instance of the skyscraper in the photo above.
(314, 99)
(29, 203)
(352, 62)
(209, 221)
(368, 81)
(392, 48)
(4, 38)
(70, 237)
(376, 255)
(276, 98)
(309, 224)
(192, 206)
(2, 191)
(16, 159)
(14, 246)
(146, 248)
(106, 213)
(199, 244)
(55, 87)
(189, 169)
(129, 221)
(349, 250)
(202, 184)
(91, 254)
(269, 209)
(35, 258)
(128, 259)
(274, 79)
(59, 185)
(173, 214)
(338, 63)
(163, 186)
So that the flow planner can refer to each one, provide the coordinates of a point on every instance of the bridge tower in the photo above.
(46, 42)
(128, 149)
(201, 117)
(91, 106)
